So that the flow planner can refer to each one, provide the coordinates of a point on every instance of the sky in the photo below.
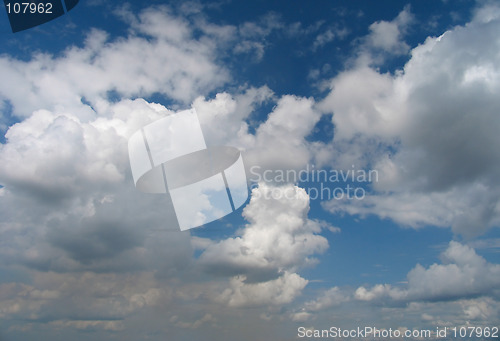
(392, 104)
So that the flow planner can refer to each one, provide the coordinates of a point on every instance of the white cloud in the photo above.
(63, 154)
(486, 13)
(329, 298)
(462, 274)
(279, 236)
(230, 112)
(247, 46)
(207, 318)
(429, 129)
(484, 309)
(387, 35)
(377, 291)
(263, 257)
(469, 210)
(88, 230)
(173, 63)
(68, 202)
(252, 35)
(278, 291)
(301, 316)
(362, 100)
(78, 189)
(280, 141)
(323, 39)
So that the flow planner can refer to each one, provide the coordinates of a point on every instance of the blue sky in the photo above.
(406, 89)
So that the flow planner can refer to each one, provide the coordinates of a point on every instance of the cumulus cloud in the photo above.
(174, 64)
(279, 237)
(280, 141)
(387, 35)
(359, 100)
(207, 318)
(232, 112)
(483, 309)
(90, 220)
(277, 143)
(461, 288)
(68, 180)
(279, 291)
(330, 298)
(462, 274)
(429, 129)
(77, 214)
(264, 257)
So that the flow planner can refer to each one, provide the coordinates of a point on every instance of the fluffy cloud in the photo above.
(462, 288)
(263, 257)
(429, 129)
(173, 63)
(68, 203)
(462, 274)
(207, 318)
(279, 237)
(78, 215)
(330, 298)
(232, 113)
(359, 102)
(279, 291)
(280, 141)
(387, 35)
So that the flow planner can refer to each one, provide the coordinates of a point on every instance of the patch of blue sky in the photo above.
(370, 250)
